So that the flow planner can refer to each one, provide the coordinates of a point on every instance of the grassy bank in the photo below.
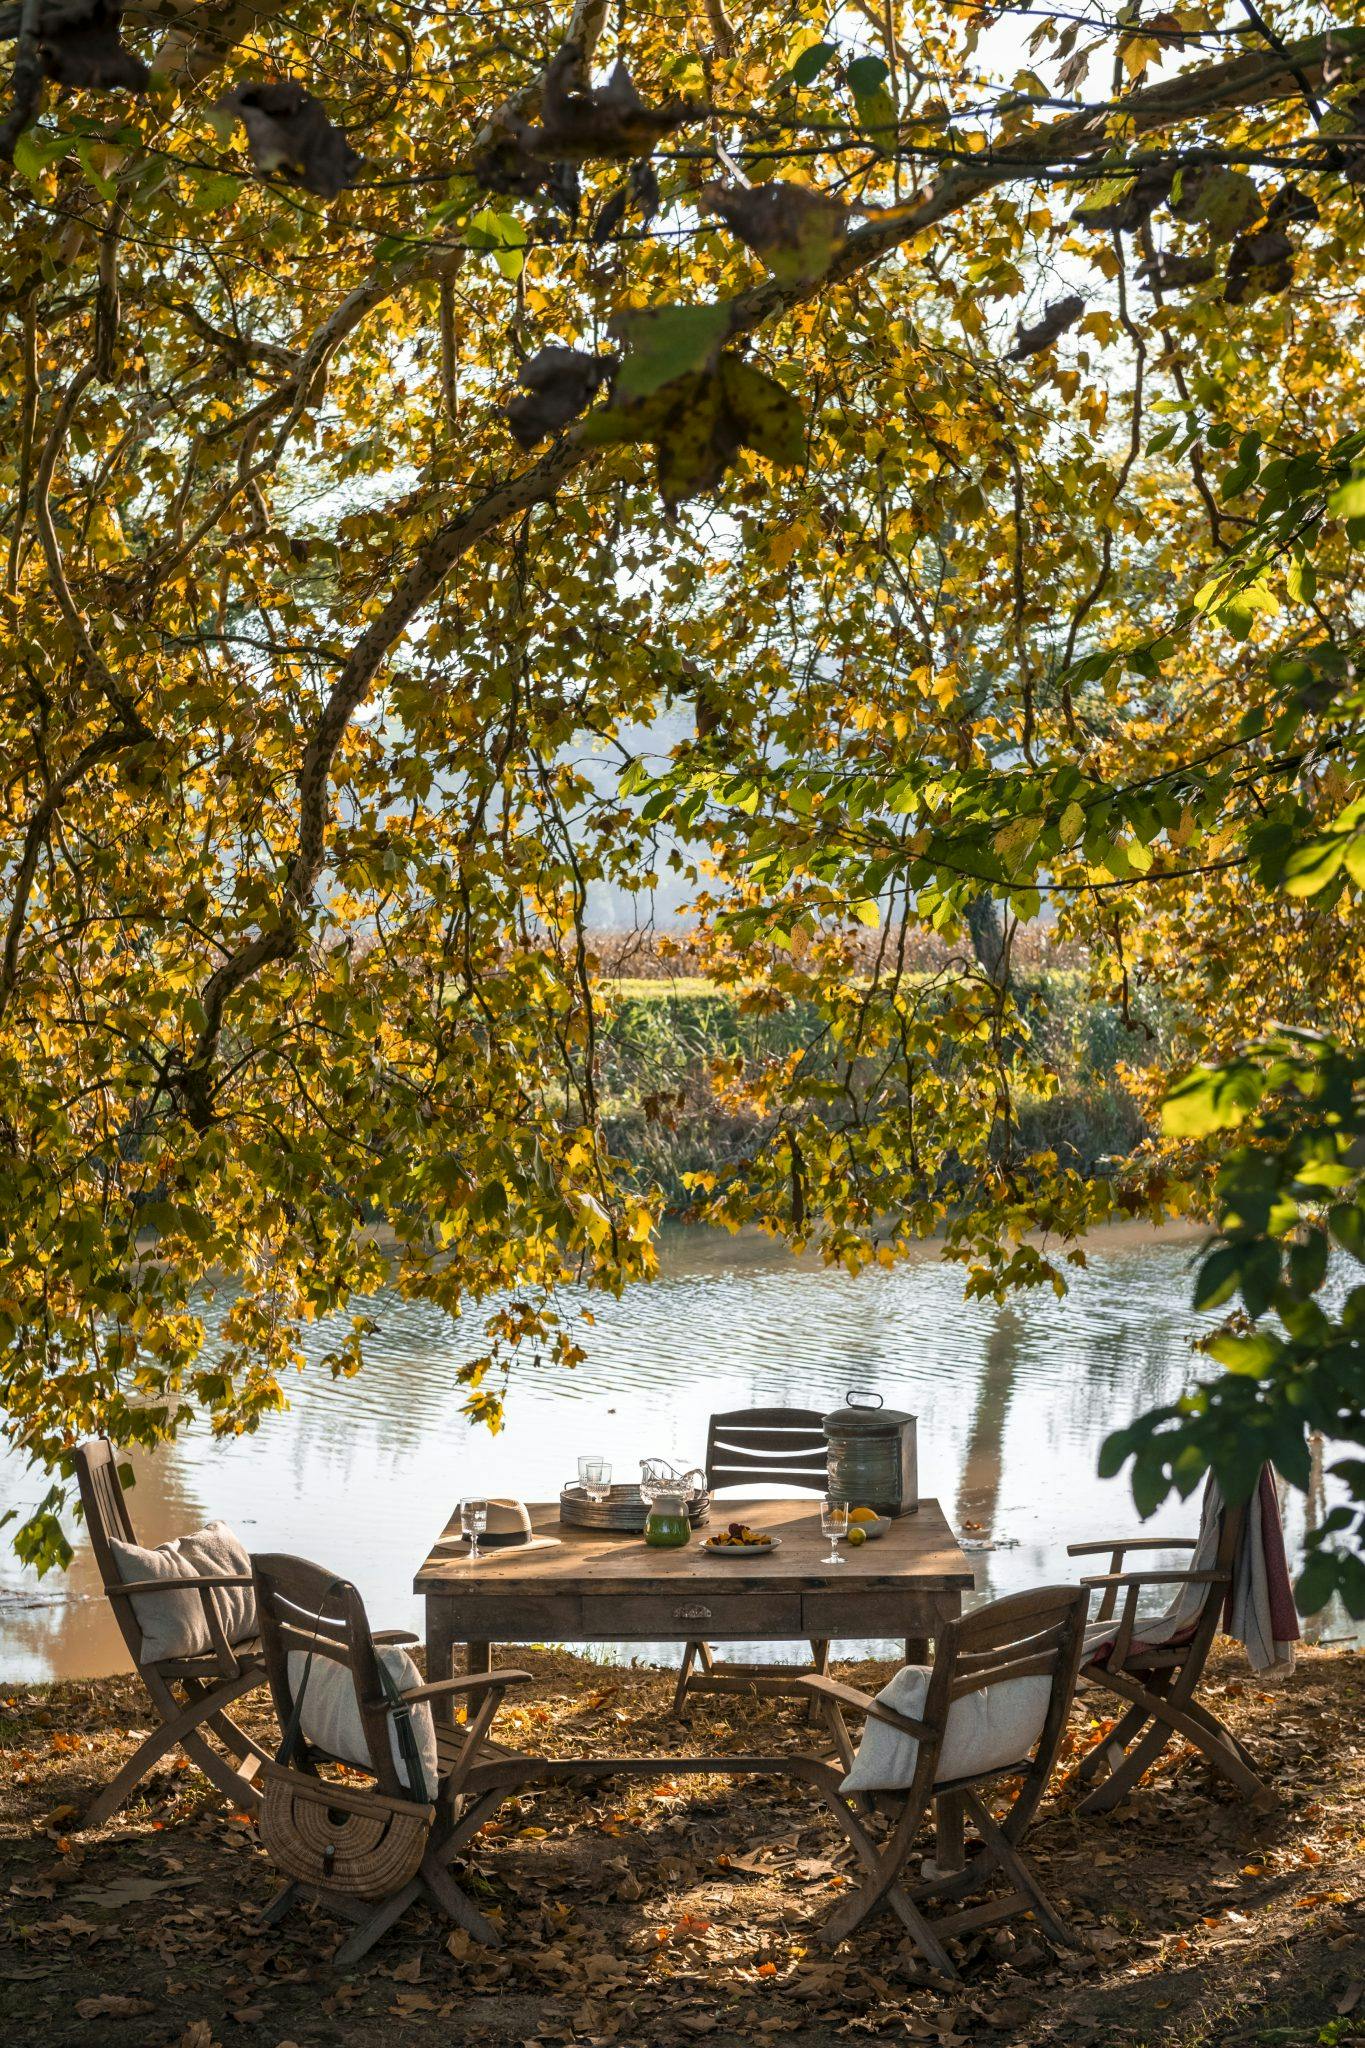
(662, 1037)
(687, 1909)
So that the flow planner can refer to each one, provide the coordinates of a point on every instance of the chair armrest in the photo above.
(848, 1696)
(1122, 1543)
(1172, 1578)
(393, 1635)
(477, 1681)
(139, 1586)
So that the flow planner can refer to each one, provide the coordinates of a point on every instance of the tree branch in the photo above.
(1243, 80)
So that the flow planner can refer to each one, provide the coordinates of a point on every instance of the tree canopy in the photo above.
(958, 412)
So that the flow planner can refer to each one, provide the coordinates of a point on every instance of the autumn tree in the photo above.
(402, 405)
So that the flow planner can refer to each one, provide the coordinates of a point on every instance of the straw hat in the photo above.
(508, 1524)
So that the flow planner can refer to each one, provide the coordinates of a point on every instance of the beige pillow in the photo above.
(331, 1713)
(174, 1624)
(986, 1731)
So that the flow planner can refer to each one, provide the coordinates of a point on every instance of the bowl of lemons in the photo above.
(865, 1525)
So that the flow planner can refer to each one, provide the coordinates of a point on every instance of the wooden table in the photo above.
(592, 1586)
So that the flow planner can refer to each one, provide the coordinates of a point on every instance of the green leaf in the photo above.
(812, 62)
(1310, 867)
(1346, 1221)
(769, 417)
(664, 343)
(876, 109)
(1211, 1099)
(1347, 502)
(1252, 1355)
(1217, 1278)
(1316, 1583)
(1301, 580)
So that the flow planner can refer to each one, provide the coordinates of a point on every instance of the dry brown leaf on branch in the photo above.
(796, 230)
(557, 384)
(79, 45)
(288, 131)
(1030, 341)
(610, 120)
(1167, 273)
(1259, 265)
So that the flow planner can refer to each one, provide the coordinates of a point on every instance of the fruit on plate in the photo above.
(739, 1536)
(863, 1515)
(857, 1535)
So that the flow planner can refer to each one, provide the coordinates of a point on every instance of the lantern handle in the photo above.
(867, 1395)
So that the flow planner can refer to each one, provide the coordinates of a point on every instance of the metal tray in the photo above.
(622, 1510)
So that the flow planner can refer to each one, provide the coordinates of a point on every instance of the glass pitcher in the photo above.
(667, 1526)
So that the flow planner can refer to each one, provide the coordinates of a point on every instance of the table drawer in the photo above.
(892, 1613)
(676, 1617)
(524, 1618)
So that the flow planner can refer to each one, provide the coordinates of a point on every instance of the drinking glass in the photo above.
(834, 1524)
(473, 1521)
(594, 1476)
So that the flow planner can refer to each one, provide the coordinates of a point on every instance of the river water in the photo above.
(361, 1474)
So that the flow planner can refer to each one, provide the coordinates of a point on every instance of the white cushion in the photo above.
(174, 1624)
(986, 1730)
(331, 1713)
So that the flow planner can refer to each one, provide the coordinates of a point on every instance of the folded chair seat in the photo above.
(985, 1731)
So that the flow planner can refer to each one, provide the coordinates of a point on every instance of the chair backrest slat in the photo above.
(1025, 1635)
(302, 1606)
(767, 1447)
(107, 1520)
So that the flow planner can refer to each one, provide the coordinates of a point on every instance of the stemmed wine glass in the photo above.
(473, 1522)
(834, 1524)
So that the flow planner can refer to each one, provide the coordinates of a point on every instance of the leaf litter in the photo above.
(690, 1909)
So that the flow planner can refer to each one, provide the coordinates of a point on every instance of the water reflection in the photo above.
(361, 1474)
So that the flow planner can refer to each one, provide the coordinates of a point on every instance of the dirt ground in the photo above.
(673, 1912)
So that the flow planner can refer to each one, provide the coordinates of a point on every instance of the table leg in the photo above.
(440, 1659)
(478, 1658)
(917, 1649)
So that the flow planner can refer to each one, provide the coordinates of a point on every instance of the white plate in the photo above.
(715, 1549)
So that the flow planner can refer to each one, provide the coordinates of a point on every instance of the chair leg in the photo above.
(1114, 1789)
(149, 1751)
(452, 1901)
(244, 1746)
(884, 1889)
(684, 1676)
(380, 1921)
(949, 1848)
(234, 1784)
(1102, 1752)
(179, 1725)
(280, 1904)
(1200, 1728)
(1003, 1853)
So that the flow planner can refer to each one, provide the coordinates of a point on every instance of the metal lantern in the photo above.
(873, 1455)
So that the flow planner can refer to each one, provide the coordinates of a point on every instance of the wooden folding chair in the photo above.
(302, 1607)
(749, 1447)
(1028, 1635)
(208, 1683)
(1157, 1682)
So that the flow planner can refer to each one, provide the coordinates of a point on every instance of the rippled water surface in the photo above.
(361, 1474)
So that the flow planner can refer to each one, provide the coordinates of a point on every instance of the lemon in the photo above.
(857, 1535)
(863, 1515)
